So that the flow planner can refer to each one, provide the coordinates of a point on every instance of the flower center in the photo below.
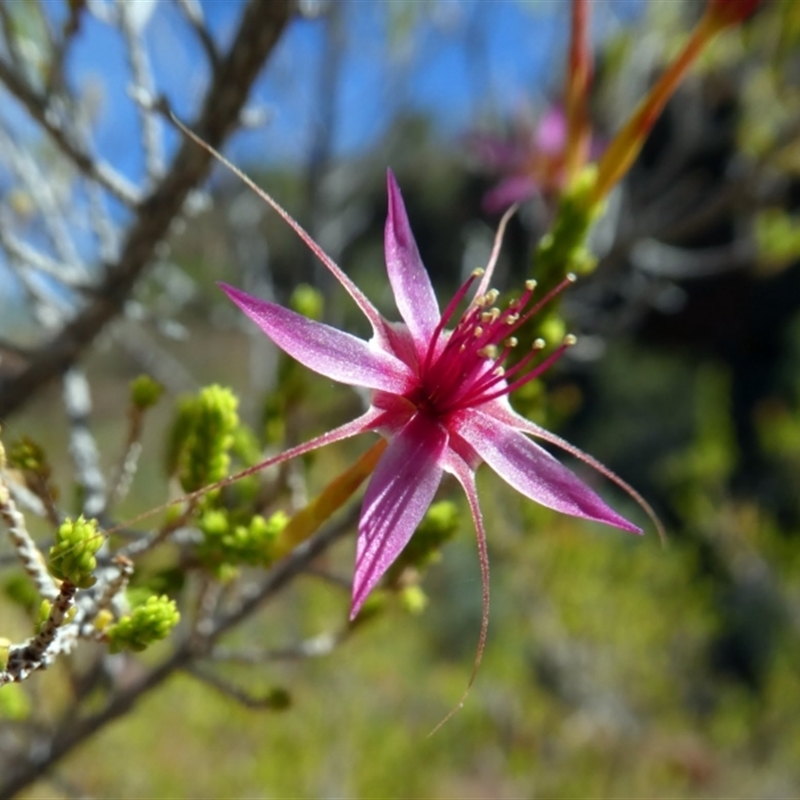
(464, 368)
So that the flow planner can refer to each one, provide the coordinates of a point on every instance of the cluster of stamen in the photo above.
(467, 370)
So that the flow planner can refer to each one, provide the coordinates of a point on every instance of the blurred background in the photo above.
(614, 666)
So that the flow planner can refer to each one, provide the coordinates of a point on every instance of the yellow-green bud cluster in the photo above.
(149, 623)
(26, 454)
(202, 435)
(440, 524)
(145, 392)
(72, 556)
(225, 542)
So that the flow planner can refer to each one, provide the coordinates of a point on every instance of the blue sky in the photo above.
(451, 59)
(456, 61)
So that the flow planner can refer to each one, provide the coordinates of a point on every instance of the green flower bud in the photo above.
(149, 623)
(26, 454)
(145, 392)
(202, 436)
(228, 543)
(308, 301)
(14, 703)
(44, 613)
(72, 556)
(414, 600)
(29, 457)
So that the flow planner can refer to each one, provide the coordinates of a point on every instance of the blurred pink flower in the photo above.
(532, 159)
(439, 396)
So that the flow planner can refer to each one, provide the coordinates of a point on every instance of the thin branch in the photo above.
(193, 12)
(272, 700)
(46, 113)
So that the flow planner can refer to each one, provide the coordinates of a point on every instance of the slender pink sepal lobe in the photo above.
(413, 292)
(532, 471)
(330, 352)
(399, 493)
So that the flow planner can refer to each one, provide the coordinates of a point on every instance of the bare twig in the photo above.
(273, 700)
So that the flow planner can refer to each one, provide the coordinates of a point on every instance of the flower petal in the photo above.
(330, 352)
(509, 191)
(532, 471)
(412, 287)
(398, 495)
(551, 133)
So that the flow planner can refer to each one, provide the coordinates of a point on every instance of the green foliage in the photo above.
(18, 588)
(72, 556)
(777, 237)
(146, 624)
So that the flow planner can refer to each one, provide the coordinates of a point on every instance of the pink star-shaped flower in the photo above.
(439, 394)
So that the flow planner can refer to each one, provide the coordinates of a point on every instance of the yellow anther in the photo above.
(490, 351)
(499, 371)
(570, 340)
(539, 344)
(478, 332)
(491, 296)
(571, 277)
(512, 341)
(477, 273)
(512, 319)
(530, 285)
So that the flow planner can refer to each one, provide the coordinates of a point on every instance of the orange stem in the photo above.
(626, 145)
(577, 91)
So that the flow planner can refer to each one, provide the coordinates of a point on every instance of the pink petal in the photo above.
(532, 471)
(412, 287)
(398, 495)
(497, 153)
(509, 191)
(551, 134)
(330, 352)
